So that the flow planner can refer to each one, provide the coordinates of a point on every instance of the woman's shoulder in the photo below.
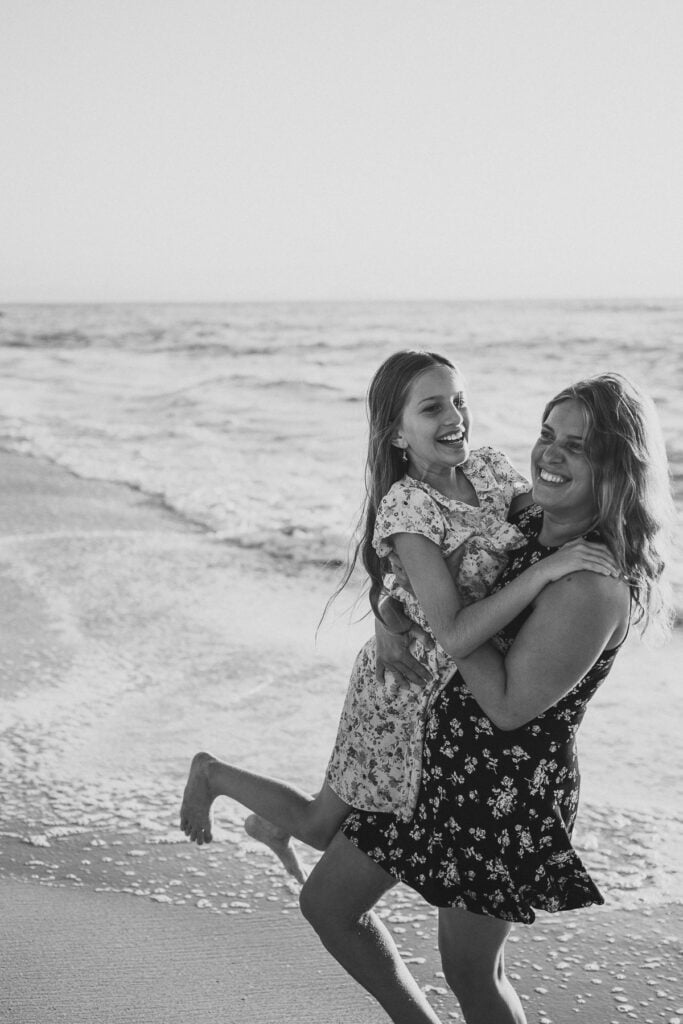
(606, 600)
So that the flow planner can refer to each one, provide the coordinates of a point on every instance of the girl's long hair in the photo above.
(386, 399)
(635, 510)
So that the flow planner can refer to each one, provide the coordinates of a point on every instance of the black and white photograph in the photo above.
(341, 471)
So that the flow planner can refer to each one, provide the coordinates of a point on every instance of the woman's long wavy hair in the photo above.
(386, 399)
(631, 487)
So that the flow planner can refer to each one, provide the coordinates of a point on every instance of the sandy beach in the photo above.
(131, 639)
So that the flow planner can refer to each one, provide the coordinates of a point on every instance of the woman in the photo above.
(490, 838)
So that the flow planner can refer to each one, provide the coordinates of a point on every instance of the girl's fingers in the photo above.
(602, 565)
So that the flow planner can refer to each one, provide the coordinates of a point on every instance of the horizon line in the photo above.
(593, 297)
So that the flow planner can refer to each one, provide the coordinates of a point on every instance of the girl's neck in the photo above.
(557, 531)
(452, 483)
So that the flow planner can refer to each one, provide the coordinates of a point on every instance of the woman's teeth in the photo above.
(450, 438)
(551, 478)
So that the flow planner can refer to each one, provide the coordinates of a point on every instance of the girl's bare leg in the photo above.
(291, 812)
(279, 841)
(337, 899)
(472, 954)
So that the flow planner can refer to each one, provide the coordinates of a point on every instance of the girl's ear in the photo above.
(399, 442)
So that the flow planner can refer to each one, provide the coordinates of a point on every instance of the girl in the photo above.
(422, 483)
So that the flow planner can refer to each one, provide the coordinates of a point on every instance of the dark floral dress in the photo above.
(491, 832)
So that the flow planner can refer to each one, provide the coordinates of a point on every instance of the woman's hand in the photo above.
(577, 556)
(393, 653)
(399, 572)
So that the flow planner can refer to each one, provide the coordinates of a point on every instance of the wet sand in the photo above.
(131, 640)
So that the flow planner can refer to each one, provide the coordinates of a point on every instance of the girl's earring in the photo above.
(404, 457)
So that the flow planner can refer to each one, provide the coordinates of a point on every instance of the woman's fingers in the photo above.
(406, 671)
(410, 672)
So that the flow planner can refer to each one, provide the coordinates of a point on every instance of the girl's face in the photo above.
(434, 425)
(561, 473)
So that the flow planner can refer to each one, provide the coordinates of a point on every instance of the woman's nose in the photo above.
(552, 452)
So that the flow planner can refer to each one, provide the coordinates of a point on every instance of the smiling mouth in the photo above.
(451, 439)
(551, 478)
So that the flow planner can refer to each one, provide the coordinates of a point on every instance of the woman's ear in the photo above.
(399, 442)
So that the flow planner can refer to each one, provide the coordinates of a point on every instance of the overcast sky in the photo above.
(339, 149)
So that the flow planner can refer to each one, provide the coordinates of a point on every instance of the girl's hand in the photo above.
(393, 653)
(577, 556)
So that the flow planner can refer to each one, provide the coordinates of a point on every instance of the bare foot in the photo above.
(279, 841)
(195, 810)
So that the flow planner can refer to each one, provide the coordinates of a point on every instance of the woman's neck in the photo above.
(557, 531)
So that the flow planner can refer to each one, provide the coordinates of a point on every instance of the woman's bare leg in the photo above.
(311, 819)
(337, 899)
(472, 955)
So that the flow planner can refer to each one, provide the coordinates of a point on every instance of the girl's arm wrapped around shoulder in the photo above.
(572, 622)
(462, 629)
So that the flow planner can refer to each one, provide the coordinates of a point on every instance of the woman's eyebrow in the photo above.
(570, 437)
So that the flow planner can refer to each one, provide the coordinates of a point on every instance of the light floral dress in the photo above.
(376, 764)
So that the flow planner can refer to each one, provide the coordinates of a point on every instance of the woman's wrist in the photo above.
(399, 632)
(392, 618)
(395, 628)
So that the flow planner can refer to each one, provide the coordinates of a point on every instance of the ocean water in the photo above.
(249, 418)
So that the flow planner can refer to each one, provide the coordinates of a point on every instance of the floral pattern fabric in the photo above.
(376, 763)
(491, 832)
(412, 506)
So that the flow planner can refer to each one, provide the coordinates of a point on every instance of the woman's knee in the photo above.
(311, 903)
(322, 896)
(468, 974)
(472, 951)
(344, 885)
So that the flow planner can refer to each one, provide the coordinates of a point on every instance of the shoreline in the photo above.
(127, 634)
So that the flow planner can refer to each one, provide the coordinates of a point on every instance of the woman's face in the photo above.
(561, 475)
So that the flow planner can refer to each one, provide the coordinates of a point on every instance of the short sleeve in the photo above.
(407, 509)
(509, 479)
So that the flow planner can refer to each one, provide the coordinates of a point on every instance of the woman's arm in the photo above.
(461, 630)
(572, 622)
(392, 639)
